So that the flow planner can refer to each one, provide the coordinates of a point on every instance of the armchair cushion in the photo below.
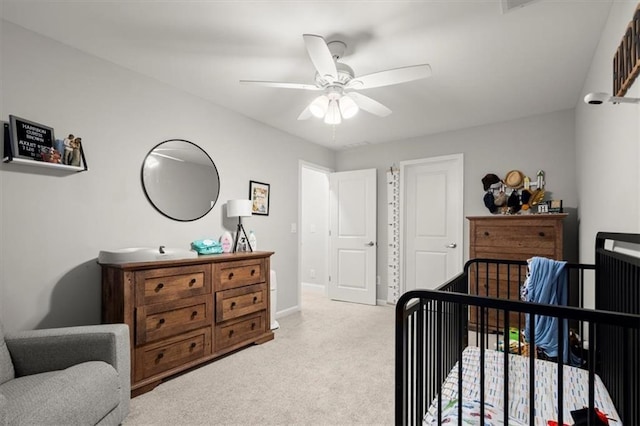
(67, 396)
(6, 366)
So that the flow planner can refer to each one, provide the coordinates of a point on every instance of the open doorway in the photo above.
(313, 233)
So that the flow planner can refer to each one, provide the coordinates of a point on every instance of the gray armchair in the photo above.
(70, 376)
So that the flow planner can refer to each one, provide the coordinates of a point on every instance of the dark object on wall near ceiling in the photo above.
(626, 61)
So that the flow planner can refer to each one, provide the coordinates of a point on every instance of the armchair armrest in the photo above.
(37, 351)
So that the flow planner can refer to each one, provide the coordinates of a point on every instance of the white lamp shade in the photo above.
(333, 114)
(318, 107)
(348, 107)
(239, 208)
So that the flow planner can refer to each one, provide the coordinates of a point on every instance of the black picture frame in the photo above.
(29, 140)
(259, 194)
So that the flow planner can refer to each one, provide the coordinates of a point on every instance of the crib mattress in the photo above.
(576, 391)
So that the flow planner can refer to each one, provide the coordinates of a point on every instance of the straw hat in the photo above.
(514, 179)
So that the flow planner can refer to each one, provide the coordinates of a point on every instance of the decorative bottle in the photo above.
(253, 242)
(226, 241)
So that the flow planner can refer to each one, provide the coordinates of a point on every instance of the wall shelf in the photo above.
(10, 157)
(44, 164)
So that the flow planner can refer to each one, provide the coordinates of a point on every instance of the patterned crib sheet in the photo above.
(576, 391)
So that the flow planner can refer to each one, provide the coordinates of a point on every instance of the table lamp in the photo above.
(239, 209)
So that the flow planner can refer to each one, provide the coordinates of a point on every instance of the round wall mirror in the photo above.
(180, 180)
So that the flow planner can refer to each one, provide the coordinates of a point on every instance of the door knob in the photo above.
(370, 244)
(452, 245)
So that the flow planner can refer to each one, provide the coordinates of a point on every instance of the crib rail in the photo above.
(618, 289)
(432, 331)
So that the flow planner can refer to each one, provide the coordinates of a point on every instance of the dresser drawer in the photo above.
(531, 238)
(239, 273)
(161, 320)
(165, 284)
(239, 330)
(171, 353)
(241, 301)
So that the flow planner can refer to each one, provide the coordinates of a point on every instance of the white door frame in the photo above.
(460, 224)
(307, 165)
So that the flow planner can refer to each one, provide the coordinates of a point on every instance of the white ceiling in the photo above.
(488, 66)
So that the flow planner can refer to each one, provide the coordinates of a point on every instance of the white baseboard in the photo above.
(288, 311)
(317, 288)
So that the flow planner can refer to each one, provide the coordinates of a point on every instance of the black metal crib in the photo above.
(434, 327)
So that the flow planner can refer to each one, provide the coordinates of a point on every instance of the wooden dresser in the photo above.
(509, 237)
(182, 313)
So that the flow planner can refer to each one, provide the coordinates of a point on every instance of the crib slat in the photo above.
(532, 375)
(507, 349)
(560, 389)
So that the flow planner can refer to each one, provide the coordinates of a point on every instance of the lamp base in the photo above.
(235, 241)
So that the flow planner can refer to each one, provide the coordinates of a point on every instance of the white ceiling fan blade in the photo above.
(321, 56)
(305, 114)
(281, 85)
(369, 105)
(389, 77)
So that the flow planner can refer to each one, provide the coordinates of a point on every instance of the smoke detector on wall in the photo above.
(598, 98)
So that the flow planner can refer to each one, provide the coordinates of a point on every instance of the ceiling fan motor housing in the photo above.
(345, 74)
(337, 49)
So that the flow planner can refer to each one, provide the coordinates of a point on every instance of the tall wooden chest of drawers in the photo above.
(509, 237)
(182, 313)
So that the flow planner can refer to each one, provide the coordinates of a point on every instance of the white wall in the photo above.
(608, 146)
(54, 224)
(540, 142)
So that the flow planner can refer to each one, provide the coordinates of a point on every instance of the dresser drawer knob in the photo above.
(486, 233)
(192, 282)
(541, 233)
(192, 345)
(253, 325)
(233, 305)
(231, 275)
(255, 299)
(194, 314)
(253, 272)
(230, 333)
(159, 287)
(161, 321)
(160, 356)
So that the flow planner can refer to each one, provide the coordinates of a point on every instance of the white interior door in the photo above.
(352, 262)
(432, 220)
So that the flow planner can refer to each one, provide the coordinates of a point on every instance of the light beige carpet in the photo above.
(331, 364)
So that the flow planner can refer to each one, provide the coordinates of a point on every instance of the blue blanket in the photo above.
(547, 283)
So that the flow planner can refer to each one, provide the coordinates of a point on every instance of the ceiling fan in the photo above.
(340, 98)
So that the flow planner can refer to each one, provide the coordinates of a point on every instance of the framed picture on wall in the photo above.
(259, 195)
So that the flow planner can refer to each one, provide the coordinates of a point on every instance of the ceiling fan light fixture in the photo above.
(333, 114)
(348, 107)
(319, 106)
